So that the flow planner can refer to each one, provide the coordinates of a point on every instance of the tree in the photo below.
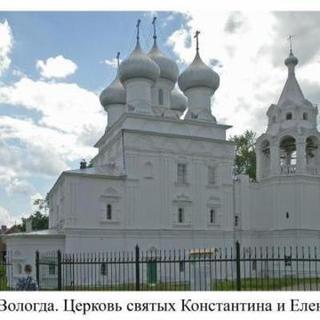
(39, 219)
(245, 154)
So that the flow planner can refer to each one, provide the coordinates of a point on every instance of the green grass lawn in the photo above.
(3, 278)
(268, 284)
(249, 284)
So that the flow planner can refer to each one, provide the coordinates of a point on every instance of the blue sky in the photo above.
(87, 39)
(53, 65)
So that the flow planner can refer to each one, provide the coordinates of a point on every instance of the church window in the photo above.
(160, 97)
(305, 116)
(103, 269)
(109, 212)
(180, 215)
(288, 155)
(181, 173)
(287, 215)
(289, 116)
(236, 221)
(211, 175)
(212, 216)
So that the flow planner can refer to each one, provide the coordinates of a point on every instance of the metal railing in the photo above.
(6, 270)
(234, 268)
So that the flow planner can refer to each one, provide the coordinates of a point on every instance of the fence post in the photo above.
(137, 263)
(38, 268)
(238, 266)
(59, 270)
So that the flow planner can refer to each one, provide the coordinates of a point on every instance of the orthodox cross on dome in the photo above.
(138, 29)
(290, 37)
(154, 28)
(196, 36)
(118, 58)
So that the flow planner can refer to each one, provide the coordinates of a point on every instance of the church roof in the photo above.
(291, 91)
(105, 170)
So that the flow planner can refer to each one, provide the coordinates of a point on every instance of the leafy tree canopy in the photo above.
(39, 219)
(245, 154)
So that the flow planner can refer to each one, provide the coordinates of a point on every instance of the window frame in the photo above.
(181, 215)
(109, 212)
(182, 173)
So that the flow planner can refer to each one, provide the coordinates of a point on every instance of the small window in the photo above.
(182, 173)
(211, 175)
(52, 269)
(109, 212)
(103, 269)
(180, 215)
(212, 217)
(289, 116)
(182, 266)
(305, 116)
(287, 215)
(160, 97)
(274, 119)
(236, 221)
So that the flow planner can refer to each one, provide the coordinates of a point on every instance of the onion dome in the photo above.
(168, 68)
(138, 65)
(178, 101)
(291, 60)
(198, 74)
(113, 94)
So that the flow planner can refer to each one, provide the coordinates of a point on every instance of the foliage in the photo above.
(245, 155)
(39, 219)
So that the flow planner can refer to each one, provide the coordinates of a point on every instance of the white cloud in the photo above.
(6, 43)
(70, 120)
(63, 106)
(246, 44)
(5, 217)
(112, 63)
(56, 67)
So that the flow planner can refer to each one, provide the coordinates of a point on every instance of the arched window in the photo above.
(274, 119)
(109, 212)
(289, 116)
(265, 158)
(305, 116)
(288, 155)
(160, 97)
(212, 216)
(312, 154)
(180, 215)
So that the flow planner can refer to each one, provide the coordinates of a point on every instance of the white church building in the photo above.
(163, 174)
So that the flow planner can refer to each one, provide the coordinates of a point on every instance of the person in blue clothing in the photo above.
(27, 283)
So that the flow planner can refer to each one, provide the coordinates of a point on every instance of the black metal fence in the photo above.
(6, 270)
(197, 269)
(234, 268)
